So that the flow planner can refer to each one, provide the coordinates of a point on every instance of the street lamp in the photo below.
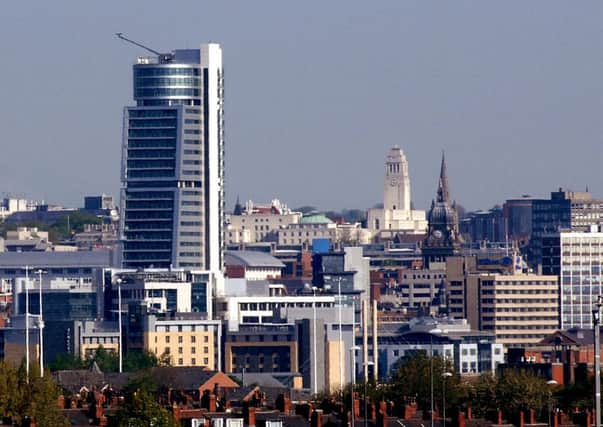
(341, 337)
(314, 289)
(367, 364)
(27, 323)
(119, 281)
(353, 373)
(596, 325)
(41, 324)
(551, 383)
(445, 375)
(431, 332)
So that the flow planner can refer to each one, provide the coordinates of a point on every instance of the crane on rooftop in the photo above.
(121, 36)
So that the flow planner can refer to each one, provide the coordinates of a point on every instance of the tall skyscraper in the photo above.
(172, 196)
(397, 215)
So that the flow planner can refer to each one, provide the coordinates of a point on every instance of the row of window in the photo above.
(163, 81)
(141, 92)
(152, 71)
(180, 339)
(271, 306)
(190, 223)
(147, 133)
(153, 143)
(190, 254)
(154, 123)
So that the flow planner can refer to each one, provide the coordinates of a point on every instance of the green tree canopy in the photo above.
(140, 408)
(38, 399)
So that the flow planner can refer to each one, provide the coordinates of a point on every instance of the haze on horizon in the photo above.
(316, 94)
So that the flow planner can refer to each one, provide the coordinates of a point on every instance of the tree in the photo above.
(137, 361)
(520, 390)
(511, 392)
(37, 399)
(9, 390)
(107, 361)
(412, 378)
(67, 361)
(141, 409)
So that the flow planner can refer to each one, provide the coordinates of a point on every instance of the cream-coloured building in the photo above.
(320, 227)
(519, 309)
(186, 339)
(397, 214)
(258, 223)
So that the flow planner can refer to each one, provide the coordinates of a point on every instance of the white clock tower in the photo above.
(396, 189)
(397, 215)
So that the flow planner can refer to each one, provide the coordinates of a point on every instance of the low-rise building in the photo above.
(187, 339)
(252, 265)
(469, 351)
(259, 223)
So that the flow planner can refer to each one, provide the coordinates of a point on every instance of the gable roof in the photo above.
(191, 378)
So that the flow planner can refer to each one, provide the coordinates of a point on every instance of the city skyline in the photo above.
(313, 98)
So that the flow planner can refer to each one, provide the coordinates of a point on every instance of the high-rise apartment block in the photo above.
(172, 200)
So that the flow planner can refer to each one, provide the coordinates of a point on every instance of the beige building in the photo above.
(320, 227)
(519, 309)
(258, 223)
(185, 338)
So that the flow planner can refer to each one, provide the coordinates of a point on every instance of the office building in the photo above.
(517, 214)
(520, 310)
(172, 201)
(397, 215)
(565, 210)
(469, 351)
(161, 291)
(577, 259)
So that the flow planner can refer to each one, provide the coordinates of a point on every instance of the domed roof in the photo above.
(315, 219)
(441, 213)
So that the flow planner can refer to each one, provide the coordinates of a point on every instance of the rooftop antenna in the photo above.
(121, 36)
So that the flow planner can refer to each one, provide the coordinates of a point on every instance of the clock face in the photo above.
(437, 234)
(393, 182)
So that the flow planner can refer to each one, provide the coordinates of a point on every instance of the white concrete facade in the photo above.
(581, 276)
(259, 223)
(397, 213)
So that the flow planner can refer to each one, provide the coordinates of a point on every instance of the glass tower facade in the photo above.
(172, 197)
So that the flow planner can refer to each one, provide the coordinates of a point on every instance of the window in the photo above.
(193, 361)
(193, 338)
(205, 349)
(180, 350)
(193, 350)
(180, 362)
(167, 339)
(179, 339)
(206, 361)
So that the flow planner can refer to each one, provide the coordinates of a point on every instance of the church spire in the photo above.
(238, 209)
(443, 194)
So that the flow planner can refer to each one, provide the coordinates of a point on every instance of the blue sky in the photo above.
(316, 93)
